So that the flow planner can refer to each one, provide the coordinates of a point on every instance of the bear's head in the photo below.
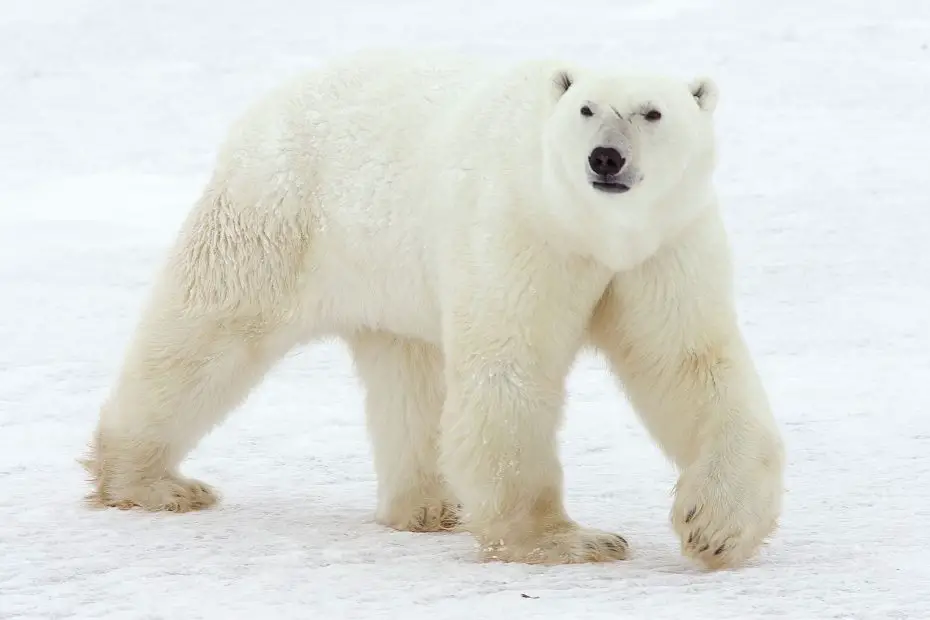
(618, 150)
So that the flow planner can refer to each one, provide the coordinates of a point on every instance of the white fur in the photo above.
(438, 216)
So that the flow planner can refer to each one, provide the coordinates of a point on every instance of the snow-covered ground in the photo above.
(110, 112)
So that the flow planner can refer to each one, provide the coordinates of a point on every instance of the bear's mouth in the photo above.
(611, 187)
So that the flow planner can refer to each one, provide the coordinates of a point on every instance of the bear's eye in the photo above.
(586, 111)
(653, 115)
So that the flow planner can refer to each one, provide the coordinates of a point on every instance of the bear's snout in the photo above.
(606, 161)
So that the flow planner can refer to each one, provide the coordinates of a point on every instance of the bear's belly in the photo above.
(376, 285)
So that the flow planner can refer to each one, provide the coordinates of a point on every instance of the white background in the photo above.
(110, 114)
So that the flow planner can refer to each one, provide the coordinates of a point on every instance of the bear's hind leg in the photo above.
(404, 394)
(183, 374)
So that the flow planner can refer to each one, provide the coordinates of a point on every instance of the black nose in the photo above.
(606, 161)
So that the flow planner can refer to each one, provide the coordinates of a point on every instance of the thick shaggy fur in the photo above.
(439, 216)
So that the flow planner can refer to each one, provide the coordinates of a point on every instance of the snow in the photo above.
(110, 113)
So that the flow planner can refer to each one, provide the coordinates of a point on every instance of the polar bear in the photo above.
(467, 229)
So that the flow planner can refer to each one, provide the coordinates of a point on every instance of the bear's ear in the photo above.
(563, 81)
(705, 93)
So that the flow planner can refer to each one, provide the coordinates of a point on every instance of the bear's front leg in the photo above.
(510, 339)
(670, 333)
(403, 402)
